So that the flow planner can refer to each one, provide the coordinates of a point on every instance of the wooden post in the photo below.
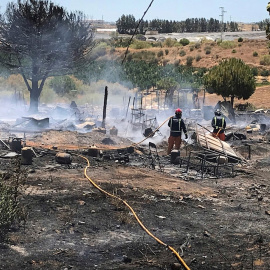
(128, 106)
(134, 103)
(249, 151)
(105, 106)
(158, 100)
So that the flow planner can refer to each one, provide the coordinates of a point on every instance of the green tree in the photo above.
(184, 41)
(231, 78)
(126, 24)
(62, 85)
(170, 85)
(39, 39)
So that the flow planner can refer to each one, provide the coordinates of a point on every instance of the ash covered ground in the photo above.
(213, 222)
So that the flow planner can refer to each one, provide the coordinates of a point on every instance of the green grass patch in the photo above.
(265, 60)
(227, 44)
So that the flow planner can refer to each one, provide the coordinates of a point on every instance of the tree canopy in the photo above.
(39, 39)
(231, 78)
(126, 24)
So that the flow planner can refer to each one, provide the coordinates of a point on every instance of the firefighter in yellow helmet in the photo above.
(176, 125)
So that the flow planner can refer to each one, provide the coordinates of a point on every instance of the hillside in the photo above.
(244, 50)
(251, 51)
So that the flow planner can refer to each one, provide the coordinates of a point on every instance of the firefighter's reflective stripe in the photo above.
(179, 123)
(222, 124)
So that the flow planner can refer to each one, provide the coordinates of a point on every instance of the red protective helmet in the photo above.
(178, 111)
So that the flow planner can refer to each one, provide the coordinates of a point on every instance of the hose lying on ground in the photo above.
(181, 261)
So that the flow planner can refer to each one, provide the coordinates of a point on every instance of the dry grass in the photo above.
(243, 50)
(260, 99)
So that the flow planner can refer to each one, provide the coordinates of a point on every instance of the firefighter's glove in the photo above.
(186, 136)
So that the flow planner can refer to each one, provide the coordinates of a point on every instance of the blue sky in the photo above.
(110, 10)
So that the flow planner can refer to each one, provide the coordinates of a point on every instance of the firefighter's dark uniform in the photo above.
(176, 125)
(219, 125)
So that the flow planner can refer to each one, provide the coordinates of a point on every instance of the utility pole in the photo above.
(222, 19)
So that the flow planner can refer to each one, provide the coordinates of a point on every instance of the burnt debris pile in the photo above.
(137, 136)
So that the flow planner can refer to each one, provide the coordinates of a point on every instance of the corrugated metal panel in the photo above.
(206, 140)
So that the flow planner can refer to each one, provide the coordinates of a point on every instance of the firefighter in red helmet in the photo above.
(176, 125)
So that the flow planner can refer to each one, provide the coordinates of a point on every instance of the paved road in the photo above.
(198, 36)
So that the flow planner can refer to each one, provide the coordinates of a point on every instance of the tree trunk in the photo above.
(34, 97)
(232, 100)
(233, 114)
(170, 94)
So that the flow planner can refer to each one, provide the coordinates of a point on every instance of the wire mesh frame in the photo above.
(207, 162)
(154, 158)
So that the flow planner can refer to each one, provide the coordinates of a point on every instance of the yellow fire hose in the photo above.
(135, 144)
(182, 262)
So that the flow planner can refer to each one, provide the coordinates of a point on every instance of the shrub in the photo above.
(189, 61)
(156, 44)
(122, 42)
(10, 209)
(138, 44)
(227, 44)
(166, 51)
(233, 51)
(240, 39)
(48, 95)
(62, 85)
(245, 107)
(165, 62)
(99, 50)
(208, 51)
(160, 54)
(264, 73)
(169, 42)
(184, 41)
(218, 41)
(144, 55)
(265, 60)
(182, 53)
(112, 50)
(129, 57)
(198, 57)
(177, 62)
(191, 48)
(254, 71)
(255, 54)
(197, 45)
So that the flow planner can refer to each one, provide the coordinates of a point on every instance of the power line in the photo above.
(136, 31)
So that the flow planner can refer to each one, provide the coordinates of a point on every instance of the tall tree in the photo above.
(231, 78)
(39, 39)
(170, 85)
(126, 24)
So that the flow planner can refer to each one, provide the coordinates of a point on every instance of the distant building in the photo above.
(151, 32)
